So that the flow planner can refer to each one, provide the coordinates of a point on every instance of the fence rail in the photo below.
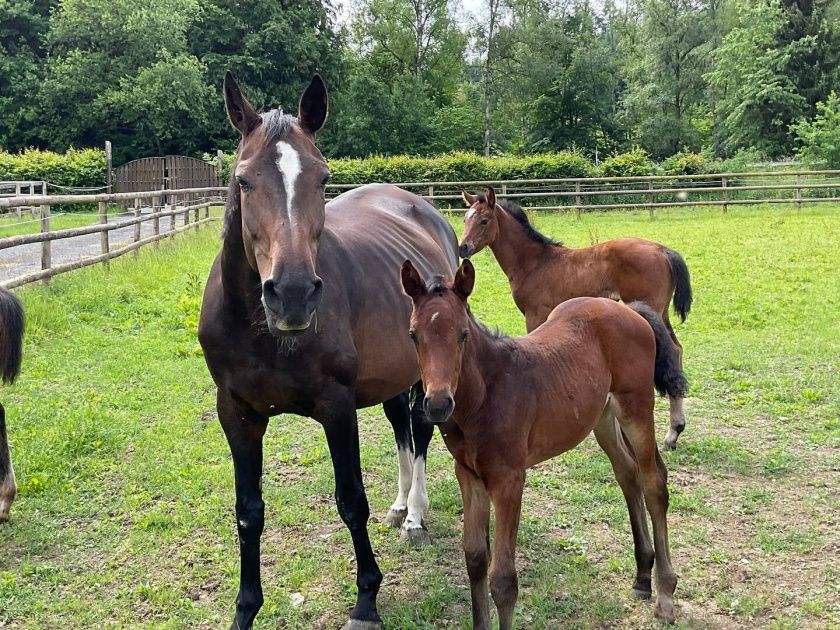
(186, 204)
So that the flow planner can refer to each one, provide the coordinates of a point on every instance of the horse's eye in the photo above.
(413, 334)
(463, 336)
(485, 221)
(244, 185)
(324, 182)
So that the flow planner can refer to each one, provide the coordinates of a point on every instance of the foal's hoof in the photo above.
(395, 518)
(664, 612)
(357, 624)
(416, 536)
(669, 445)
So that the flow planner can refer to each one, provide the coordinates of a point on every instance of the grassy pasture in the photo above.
(125, 512)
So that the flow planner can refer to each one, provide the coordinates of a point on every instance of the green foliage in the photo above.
(76, 167)
(819, 140)
(635, 163)
(685, 163)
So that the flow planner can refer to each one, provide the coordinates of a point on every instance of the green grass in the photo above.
(12, 225)
(125, 513)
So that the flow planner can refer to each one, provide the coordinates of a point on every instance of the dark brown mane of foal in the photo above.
(543, 273)
(506, 404)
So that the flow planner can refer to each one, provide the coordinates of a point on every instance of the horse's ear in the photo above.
(312, 110)
(412, 283)
(491, 197)
(464, 280)
(242, 115)
(468, 198)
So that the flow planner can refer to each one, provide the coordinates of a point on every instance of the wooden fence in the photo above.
(651, 192)
(147, 207)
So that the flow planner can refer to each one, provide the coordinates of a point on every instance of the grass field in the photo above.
(125, 511)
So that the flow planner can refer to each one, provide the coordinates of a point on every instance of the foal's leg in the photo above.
(677, 415)
(637, 424)
(506, 493)
(8, 488)
(476, 543)
(397, 411)
(610, 438)
(244, 430)
(414, 528)
(338, 417)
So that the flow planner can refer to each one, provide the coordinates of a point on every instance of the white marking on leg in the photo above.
(8, 491)
(405, 458)
(288, 163)
(418, 500)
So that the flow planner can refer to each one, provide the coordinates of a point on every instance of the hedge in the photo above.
(77, 167)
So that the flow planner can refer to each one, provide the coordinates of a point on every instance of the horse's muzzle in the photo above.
(438, 407)
(290, 303)
(466, 250)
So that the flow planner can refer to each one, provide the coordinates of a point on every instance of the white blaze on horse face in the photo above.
(434, 317)
(288, 163)
(470, 214)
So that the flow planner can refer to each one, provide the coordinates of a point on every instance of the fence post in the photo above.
(137, 226)
(103, 235)
(798, 192)
(17, 194)
(220, 161)
(46, 246)
(724, 194)
(431, 191)
(577, 199)
(504, 190)
(108, 167)
(156, 220)
(187, 201)
(173, 203)
(650, 197)
(196, 213)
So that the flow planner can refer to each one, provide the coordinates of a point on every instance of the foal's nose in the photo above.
(438, 407)
(465, 250)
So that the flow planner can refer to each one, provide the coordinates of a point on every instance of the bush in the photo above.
(635, 163)
(77, 167)
(819, 139)
(685, 163)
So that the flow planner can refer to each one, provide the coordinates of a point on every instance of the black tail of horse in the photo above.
(668, 377)
(11, 335)
(682, 283)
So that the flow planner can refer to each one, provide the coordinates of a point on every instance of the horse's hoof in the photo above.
(640, 593)
(416, 537)
(357, 624)
(664, 612)
(669, 445)
(396, 518)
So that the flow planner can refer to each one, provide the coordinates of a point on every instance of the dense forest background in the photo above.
(425, 76)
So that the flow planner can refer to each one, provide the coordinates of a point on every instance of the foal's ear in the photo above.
(464, 280)
(491, 197)
(312, 109)
(412, 283)
(468, 198)
(242, 115)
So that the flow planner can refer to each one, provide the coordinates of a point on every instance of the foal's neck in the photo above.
(516, 252)
(483, 356)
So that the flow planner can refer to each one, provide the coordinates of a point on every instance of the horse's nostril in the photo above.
(268, 286)
(318, 284)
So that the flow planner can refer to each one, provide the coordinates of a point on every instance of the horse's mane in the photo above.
(521, 217)
(438, 285)
(274, 125)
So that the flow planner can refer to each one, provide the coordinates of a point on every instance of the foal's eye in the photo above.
(413, 334)
(325, 180)
(244, 185)
(463, 336)
(485, 221)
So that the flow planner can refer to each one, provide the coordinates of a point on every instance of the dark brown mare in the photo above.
(303, 313)
(507, 404)
(544, 273)
(11, 341)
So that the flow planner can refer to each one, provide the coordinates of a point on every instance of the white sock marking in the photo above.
(406, 459)
(418, 500)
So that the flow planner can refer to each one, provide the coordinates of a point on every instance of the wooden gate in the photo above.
(159, 173)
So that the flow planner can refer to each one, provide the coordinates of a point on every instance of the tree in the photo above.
(819, 139)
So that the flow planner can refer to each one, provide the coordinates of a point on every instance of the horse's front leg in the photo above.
(244, 430)
(414, 528)
(338, 417)
(476, 543)
(397, 411)
(506, 494)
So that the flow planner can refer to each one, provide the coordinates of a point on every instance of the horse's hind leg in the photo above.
(414, 527)
(397, 411)
(8, 489)
(635, 414)
(610, 438)
(677, 414)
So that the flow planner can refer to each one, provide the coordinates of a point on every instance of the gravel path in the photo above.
(24, 259)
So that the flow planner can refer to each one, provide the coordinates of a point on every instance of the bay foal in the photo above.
(543, 273)
(506, 404)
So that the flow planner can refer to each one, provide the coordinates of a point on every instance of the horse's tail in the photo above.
(682, 283)
(668, 377)
(11, 335)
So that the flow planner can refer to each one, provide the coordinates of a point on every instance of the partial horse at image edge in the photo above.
(11, 341)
